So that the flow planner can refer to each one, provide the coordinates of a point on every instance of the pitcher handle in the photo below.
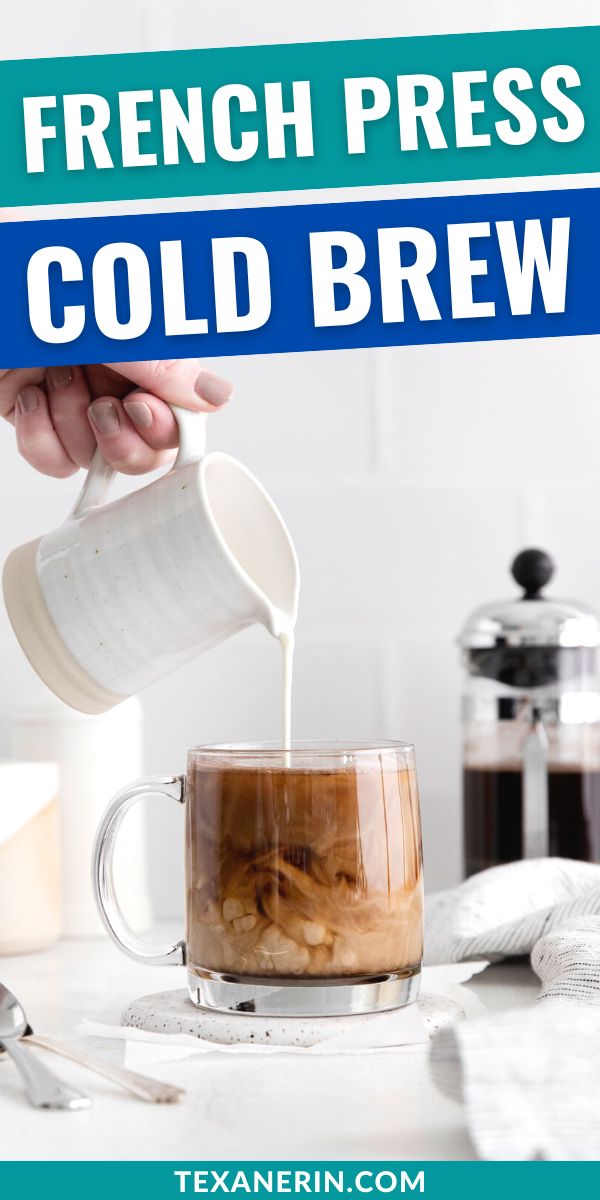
(192, 445)
(103, 881)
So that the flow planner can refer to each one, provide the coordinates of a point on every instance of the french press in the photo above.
(531, 722)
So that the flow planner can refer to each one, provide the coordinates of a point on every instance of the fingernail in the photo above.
(105, 417)
(212, 388)
(139, 412)
(28, 399)
(60, 376)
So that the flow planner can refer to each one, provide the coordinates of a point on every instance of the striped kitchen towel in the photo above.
(529, 1078)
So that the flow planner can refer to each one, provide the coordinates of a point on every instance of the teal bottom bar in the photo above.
(170, 1180)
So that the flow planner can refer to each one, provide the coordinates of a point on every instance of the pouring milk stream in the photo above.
(124, 592)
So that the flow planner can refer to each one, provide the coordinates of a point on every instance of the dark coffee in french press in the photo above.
(493, 814)
(531, 715)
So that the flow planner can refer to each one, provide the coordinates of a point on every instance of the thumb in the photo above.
(181, 381)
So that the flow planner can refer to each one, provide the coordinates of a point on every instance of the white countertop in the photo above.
(380, 1105)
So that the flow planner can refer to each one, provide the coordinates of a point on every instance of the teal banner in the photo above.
(314, 115)
(171, 1180)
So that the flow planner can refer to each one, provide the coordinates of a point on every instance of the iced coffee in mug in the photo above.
(303, 877)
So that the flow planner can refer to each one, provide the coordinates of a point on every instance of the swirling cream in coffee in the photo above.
(304, 872)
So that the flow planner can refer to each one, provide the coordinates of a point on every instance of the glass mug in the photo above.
(304, 877)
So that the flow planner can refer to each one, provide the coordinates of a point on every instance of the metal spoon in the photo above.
(42, 1087)
(138, 1085)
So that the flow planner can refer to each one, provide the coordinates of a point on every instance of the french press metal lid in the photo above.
(522, 642)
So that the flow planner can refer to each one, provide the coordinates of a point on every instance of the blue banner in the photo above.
(301, 277)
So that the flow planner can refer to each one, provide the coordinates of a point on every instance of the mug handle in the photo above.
(192, 445)
(103, 881)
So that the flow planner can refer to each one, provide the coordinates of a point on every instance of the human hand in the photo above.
(61, 414)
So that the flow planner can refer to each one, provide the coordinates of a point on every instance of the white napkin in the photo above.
(503, 911)
(400, 1028)
(530, 1078)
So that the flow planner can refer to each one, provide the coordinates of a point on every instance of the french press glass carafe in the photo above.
(531, 720)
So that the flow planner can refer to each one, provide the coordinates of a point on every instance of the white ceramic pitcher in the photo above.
(122, 593)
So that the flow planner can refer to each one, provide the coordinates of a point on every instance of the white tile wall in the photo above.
(408, 477)
(386, 555)
(40, 30)
(295, 415)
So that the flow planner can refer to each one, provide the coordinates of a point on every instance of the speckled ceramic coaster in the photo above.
(173, 1012)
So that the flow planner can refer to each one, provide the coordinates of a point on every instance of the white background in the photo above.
(408, 478)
